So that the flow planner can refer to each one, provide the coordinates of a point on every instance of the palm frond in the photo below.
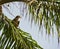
(46, 11)
(14, 38)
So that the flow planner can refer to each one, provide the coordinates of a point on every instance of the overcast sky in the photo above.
(45, 41)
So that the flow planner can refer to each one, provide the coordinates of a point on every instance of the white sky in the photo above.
(45, 41)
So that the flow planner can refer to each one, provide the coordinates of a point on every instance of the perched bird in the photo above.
(16, 21)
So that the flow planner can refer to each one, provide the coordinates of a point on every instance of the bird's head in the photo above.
(18, 18)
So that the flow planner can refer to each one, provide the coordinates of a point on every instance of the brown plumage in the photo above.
(15, 21)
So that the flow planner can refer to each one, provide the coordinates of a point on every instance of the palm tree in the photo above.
(14, 38)
(46, 11)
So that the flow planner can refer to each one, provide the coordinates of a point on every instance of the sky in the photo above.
(45, 41)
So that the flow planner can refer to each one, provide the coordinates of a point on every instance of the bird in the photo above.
(16, 21)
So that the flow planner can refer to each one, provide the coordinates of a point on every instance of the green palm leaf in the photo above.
(46, 11)
(15, 38)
